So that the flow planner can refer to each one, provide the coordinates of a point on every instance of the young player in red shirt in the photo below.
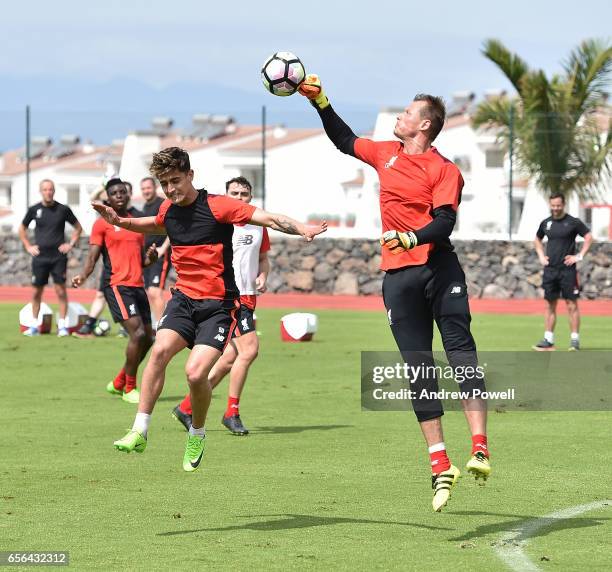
(250, 244)
(420, 191)
(202, 312)
(123, 256)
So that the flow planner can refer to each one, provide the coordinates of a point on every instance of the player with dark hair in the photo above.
(156, 274)
(560, 277)
(50, 253)
(202, 312)
(99, 301)
(250, 244)
(420, 191)
(124, 256)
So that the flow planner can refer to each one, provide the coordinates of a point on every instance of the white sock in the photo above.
(141, 423)
(201, 432)
(575, 336)
(437, 447)
(549, 337)
(61, 323)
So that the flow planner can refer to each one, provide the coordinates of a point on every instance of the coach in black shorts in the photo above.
(560, 279)
(49, 253)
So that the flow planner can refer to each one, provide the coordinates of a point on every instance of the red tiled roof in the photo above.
(356, 182)
(289, 136)
(80, 160)
(189, 144)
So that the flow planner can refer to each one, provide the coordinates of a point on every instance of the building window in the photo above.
(5, 196)
(463, 163)
(494, 158)
(73, 195)
(517, 213)
(254, 176)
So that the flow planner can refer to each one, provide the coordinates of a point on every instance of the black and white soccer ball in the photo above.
(102, 328)
(282, 73)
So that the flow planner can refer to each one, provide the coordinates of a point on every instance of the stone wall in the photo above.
(494, 269)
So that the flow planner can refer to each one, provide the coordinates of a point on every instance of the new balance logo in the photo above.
(220, 338)
(456, 290)
(245, 240)
(390, 162)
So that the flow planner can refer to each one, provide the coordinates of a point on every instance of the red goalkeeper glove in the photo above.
(311, 88)
(398, 242)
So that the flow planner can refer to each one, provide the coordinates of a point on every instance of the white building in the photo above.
(305, 176)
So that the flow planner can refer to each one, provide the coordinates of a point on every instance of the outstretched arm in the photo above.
(92, 258)
(145, 224)
(285, 224)
(340, 134)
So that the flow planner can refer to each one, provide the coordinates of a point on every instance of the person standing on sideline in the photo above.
(560, 276)
(250, 244)
(420, 191)
(50, 251)
(156, 274)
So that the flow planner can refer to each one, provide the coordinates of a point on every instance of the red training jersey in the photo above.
(122, 253)
(411, 186)
(201, 239)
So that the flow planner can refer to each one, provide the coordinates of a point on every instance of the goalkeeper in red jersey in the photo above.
(420, 191)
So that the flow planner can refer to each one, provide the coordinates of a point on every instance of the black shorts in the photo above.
(561, 282)
(245, 324)
(200, 322)
(49, 263)
(155, 274)
(125, 302)
(415, 297)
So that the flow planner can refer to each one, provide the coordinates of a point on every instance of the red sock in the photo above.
(119, 381)
(130, 383)
(439, 461)
(232, 406)
(185, 405)
(479, 445)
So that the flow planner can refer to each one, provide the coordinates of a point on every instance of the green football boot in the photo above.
(110, 387)
(194, 451)
(133, 441)
(131, 396)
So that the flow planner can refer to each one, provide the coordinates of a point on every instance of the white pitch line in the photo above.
(511, 546)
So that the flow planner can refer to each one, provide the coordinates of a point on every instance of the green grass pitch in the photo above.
(318, 485)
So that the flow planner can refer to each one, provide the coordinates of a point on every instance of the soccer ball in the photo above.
(102, 328)
(282, 73)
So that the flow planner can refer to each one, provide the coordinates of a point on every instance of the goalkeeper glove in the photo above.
(398, 242)
(311, 88)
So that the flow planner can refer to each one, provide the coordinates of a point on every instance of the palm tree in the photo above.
(554, 121)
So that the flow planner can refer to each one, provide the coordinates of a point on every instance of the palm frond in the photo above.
(510, 64)
(588, 68)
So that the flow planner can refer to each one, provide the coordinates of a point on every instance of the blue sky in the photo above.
(377, 50)
(71, 55)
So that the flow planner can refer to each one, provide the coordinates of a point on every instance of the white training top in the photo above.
(247, 242)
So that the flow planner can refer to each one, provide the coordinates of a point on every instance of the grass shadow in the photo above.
(271, 429)
(296, 521)
(519, 521)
